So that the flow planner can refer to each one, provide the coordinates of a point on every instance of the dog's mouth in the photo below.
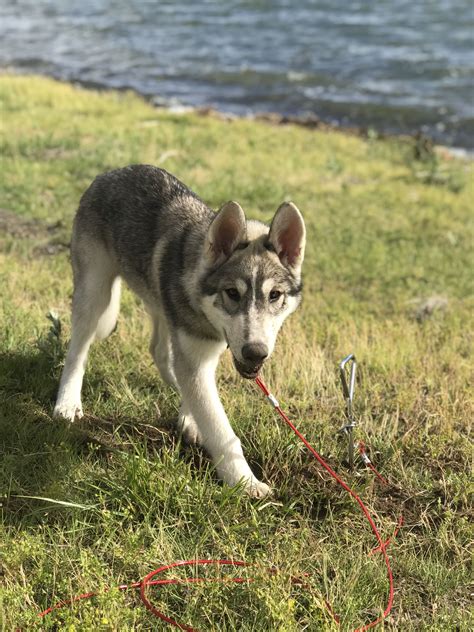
(246, 371)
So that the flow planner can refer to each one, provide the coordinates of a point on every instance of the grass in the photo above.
(107, 500)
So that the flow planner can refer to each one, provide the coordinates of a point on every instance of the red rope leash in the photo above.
(147, 581)
(382, 545)
(150, 581)
(368, 463)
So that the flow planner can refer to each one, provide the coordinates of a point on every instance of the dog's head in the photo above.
(252, 280)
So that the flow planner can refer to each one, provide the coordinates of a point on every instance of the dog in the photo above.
(208, 280)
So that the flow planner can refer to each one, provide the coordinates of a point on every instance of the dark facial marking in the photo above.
(176, 301)
(296, 289)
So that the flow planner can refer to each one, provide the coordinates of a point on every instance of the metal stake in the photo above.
(348, 390)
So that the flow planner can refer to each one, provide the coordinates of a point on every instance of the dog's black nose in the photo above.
(255, 352)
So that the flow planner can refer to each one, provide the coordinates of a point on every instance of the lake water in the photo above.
(396, 66)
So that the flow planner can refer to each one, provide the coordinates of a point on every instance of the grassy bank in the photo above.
(388, 276)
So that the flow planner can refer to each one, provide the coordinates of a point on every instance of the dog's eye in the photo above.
(274, 296)
(233, 294)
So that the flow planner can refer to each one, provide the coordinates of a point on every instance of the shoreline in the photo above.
(311, 121)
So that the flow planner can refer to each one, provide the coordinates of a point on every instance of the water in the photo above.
(396, 66)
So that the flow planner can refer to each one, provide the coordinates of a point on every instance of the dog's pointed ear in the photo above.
(288, 235)
(227, 230)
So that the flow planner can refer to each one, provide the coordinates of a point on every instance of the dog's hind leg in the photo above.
(108, 319)
(160, 348)
(95, 307)
(162, 353)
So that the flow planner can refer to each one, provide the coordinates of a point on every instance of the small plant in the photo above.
(51, 344)
(428, 167)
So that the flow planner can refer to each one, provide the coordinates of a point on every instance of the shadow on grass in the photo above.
(39, 453)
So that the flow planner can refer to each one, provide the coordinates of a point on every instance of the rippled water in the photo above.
(395, 65)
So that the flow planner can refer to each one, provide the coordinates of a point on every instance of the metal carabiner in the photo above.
(348, 388)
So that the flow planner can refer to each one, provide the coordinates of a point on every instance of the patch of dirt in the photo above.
(49, 235)
(17, 226)
(117, 433)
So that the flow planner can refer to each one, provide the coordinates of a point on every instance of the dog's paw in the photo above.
(189, 430)
(256, 489)
(68, 410)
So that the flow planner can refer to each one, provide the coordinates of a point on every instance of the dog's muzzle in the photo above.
(254, 355)
(248, 371)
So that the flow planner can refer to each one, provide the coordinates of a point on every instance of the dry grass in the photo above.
(386, 233)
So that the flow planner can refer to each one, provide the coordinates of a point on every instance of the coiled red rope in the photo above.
(150, 580)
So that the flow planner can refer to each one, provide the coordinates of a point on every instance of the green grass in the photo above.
(386, 233)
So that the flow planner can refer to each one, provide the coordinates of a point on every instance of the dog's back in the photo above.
(132, 210)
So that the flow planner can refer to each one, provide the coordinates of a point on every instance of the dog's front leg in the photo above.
(195, 362)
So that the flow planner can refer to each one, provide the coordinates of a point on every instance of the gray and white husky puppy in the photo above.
(208, 280)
